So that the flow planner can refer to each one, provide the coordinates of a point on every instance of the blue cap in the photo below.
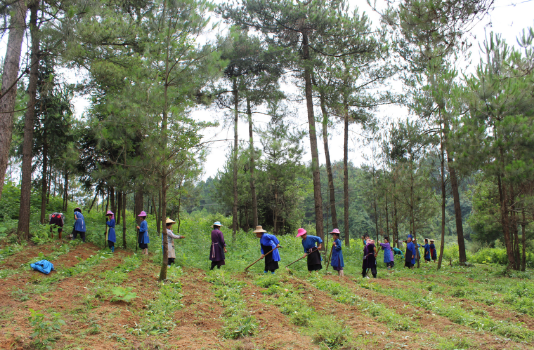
(410, 236)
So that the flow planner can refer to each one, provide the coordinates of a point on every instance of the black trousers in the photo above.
(75, 233)
(170, 261)
(373, 271)
(215, 263)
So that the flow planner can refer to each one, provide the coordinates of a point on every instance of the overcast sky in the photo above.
(508, 18)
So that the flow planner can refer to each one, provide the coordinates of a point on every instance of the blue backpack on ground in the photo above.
(43, 266)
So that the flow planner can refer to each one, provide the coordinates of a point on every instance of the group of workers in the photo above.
(269, 245)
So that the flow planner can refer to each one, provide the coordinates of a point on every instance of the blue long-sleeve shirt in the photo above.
(337, 255)
(79, 225)
(111, 231)
(143, 232)
(427, 251)
(310, 242)
(411, 248)
(270, 240)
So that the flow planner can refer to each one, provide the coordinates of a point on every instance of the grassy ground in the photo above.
(99, 300)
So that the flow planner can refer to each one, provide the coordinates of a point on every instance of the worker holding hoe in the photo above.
(312, 245)
(269, 249)
(171, 252)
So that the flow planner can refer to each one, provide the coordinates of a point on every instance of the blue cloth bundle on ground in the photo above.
(43, 266)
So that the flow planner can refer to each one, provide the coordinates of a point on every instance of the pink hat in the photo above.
(142, 213)
(109, 213)
(301, 232)
(335, 231)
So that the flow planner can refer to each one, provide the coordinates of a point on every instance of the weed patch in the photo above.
(238, 322)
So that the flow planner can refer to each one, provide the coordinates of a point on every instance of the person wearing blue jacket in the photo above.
(79, 225)
(337, 254)
(312, 245)
(427, 251)
(411, 253)
(110, 222)
(143, 233)
(268, 243)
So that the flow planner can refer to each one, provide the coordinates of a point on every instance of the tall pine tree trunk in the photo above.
(504, 222)
(252, 167)
(331, 193)
(346, 178)
(138, 203)
(66, 190)
(124, 221)
(118, 195)
(387, 218)
(44, 183)
(8, 93)
(313, 139)
(523, 241)
(455, 195)
(395, 219)
(112, 199)
(234, 157)
(26, 183)
(443, 203)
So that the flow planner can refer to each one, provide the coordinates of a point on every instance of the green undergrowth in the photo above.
(518, 296)
(382, 313)
(327, 331)
(103, 284)
(11, 249)
(43, 284)
(238, 321)
(63, 249)
(159, 315)
(474, 318)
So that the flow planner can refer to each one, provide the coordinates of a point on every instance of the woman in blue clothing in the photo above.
(337, 254)
(427, 250)
(111, 230)
(312, 245)
(268, 243)
(411, 253)
(79, 225)
(143, 233)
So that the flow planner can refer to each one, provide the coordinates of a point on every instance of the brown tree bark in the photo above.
(44, 183)
(158, 219)
(443, 202)
(66, 190)
(138, 204)
(346, 178)
(505, 223)
(515, 231)
(93, 203)
(524, 241)
(234, 157)
(252, 167)
(124, 221)
(119, 206)
(23, 228)
(313, 139)
(10, 76)
(331, 192)
(112, 199)
(456, 197)
(387, 217)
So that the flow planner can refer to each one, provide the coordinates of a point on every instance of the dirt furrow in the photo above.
(435, 323)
